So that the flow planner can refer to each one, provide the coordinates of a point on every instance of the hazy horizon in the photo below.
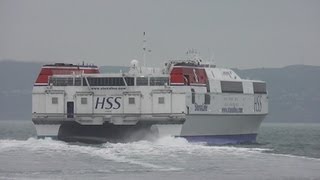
(241, 34)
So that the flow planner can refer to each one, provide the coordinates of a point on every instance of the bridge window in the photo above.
(259, 88)
(54, 100)
(132, 100)
(61, 81)
(77, 82)
(103, 81)
(161, 100)
(129, 81)
(84, 100)
(142, 81)
(93, 81)
(231, 87)
(158, 81)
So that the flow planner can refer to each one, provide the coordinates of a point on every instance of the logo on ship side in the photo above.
(108, 103)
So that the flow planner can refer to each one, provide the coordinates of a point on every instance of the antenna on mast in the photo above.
(212, 56)
(212, 59)
(144, 48)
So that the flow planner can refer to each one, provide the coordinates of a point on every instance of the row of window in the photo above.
(69, 81)
(226, 86)
(236, 87)
(108, 81)
(54, 100)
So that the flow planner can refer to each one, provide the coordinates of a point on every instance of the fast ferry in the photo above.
(185, 98)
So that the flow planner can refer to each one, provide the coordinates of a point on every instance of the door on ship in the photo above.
(70, 109)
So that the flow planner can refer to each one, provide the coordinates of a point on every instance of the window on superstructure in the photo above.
(111, 82)
(117, 82)
(61, 81)
(231, 87)
(142, 81)
(69, 81)
(161, 100)
(54, 100)
(106, 81)
(65, 81)
(93, 81)
(129, 81)
(158, 81)
(84, 82)
(120, 81)
(77, 82)
(131, 100)
(259, 88)
(193, 96)
(99, 81)
(207, 98)
(84, 100)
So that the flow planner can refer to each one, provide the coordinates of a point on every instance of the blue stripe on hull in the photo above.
(223, 139)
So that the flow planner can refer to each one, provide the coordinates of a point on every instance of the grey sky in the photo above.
(242, 34)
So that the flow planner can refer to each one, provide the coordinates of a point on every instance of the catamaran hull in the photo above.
(210, 129)
(72, 131)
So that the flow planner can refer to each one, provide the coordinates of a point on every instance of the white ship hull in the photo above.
(216, 129)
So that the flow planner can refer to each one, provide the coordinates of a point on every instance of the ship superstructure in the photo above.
(186, 98)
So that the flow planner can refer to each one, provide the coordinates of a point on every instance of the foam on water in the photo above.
(159, 146)
(163, 154)
(119, 151)
(48, 146)
(159, 155)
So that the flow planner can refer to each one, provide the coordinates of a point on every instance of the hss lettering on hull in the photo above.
(108, 103)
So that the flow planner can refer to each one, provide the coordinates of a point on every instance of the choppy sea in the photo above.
(283, 151)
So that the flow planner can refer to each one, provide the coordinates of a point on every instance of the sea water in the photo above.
(283, 151)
